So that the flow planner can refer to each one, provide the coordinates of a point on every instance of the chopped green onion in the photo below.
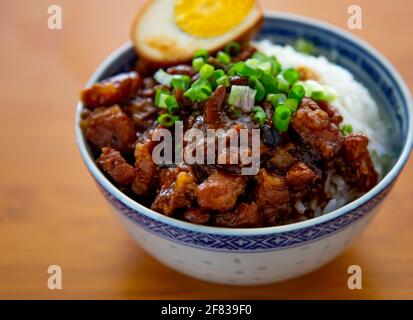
(281, 118)
(242, 97)
(197, 63)
(265, 66)
(223, 57)
(257, 85)
(318, 96)
(203, 85)
(291, 75)
(206, 71)
(162, 100)
(199, 91)
(269, 82)
(201, 53)
(233, 112)
(163, 78)
(232, 48)
(242, 69)
(305, 46)
(292, 104)
(260, 56)
(297, 92)
(158, 94)
(218, 74)
(167, 120)
(215, 76)
(282, 84)
(276, 99)
(330, 93)
(346, 129)
(318, 91)
(259, 115)
(196, 95)
(224, 80)
(252, 63)
(171, 104)
(276, 66)
(180, 82)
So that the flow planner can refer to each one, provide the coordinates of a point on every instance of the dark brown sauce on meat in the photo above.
(120, 117)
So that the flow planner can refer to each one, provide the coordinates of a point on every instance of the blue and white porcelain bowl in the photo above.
(264, 255)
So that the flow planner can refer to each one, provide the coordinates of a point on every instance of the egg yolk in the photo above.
(210, 18)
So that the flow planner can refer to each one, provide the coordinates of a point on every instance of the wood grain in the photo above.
(51, 212)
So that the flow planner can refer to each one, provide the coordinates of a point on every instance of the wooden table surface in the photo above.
(52, 213)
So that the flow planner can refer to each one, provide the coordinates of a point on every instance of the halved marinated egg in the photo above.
(171, 31)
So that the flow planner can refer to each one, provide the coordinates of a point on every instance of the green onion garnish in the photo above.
(215, 76)
(305, 46)
(242, 97)
(170, 103)
(281, 118)
(282, 84)
(269, 82)
(201, 53)
(268, 64)
(167, 120)
(223, 57)
(260, 56)
(318, 91)
(233, 112)
(197, 63)
(291, 75)
(242, 69)
(292, 104)
(232, 48)
(265, 66)
(158, 94)
(276, 99)
(199, 91)
(163, 77)
(346, 129)
(252, 63)
(257, 85)
(259, 115)
(206, 71)
(180, 82)
(297, 92)
(224, 80)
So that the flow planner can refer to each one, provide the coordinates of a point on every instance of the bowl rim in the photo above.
(382, 185)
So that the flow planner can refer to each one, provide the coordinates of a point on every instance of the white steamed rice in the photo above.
(354, 103)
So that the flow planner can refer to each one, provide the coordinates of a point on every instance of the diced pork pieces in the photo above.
(272, 196)
(177, 190)
(141, 111)
(116, 167)
(220, 191)
(244, 216)
(109, 127)
(146, 170)
(197, 215)
(315, 127)
(300, 176)
(358, 166)
(112, 91)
